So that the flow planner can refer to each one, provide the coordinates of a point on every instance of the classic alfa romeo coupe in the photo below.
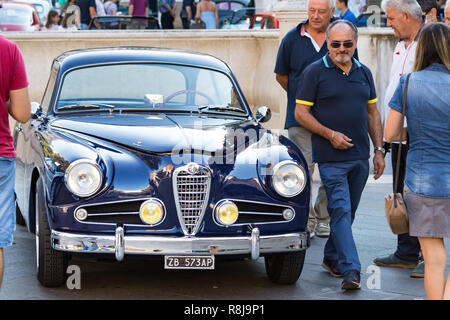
(155, 152)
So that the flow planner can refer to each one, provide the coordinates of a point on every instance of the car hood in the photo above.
(160, 133)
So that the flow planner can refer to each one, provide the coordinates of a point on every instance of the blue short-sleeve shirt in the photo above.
(349, 16)
(295, 53)
(339, 102)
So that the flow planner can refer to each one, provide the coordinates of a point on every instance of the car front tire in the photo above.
(285, 268)
(19, 218)
(51, 264)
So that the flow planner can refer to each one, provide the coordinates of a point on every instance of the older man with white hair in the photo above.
(405, 17)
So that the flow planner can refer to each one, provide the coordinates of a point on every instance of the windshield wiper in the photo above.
(221, 108)
(86, 106)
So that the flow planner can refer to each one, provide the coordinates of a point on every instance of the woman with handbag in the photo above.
(208, 13)
(427, 180)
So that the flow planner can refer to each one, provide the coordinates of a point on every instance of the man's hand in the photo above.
(378, 164)
(340, 141)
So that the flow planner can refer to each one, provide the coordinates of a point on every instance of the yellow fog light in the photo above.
(152, 212)
(227, 213)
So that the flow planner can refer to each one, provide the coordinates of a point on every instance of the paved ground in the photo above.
(231, 279)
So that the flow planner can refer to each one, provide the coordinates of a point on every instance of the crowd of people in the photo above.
(80, 14)
(332, 112)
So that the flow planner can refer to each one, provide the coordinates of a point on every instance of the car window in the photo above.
(131, 81)
(15, 17)
(141, 85)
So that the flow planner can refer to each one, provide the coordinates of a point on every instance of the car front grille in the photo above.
(191, 191)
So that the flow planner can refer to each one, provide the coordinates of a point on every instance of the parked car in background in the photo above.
(239, 19)
(42, 7)
(264, 20)
(155, 152)
(227, 8)
(18, 16)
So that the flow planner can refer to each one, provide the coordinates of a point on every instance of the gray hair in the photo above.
(332, 3)
(408, 6)
(340, 21)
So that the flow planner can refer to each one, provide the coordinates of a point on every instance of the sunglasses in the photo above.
(337, 44)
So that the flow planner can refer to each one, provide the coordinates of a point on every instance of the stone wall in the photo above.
(251, 55)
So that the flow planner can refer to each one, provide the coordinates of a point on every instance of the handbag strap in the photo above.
(397, 169)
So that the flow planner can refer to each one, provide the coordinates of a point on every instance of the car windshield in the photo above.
(13, 16)
(135, 87)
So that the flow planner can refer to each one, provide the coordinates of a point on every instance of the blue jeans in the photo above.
(344, 183)
(7, 201)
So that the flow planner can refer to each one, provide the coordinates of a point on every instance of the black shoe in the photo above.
(393, 261)
(352, 280)
(331, 267)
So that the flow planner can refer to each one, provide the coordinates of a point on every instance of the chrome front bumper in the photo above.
(120, 244)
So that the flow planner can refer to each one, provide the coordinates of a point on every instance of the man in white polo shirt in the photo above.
(405, 17)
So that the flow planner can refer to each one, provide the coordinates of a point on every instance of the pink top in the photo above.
(12, 77)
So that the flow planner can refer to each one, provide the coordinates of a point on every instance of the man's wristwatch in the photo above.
(379, 149)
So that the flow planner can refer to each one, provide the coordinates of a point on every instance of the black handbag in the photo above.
(198, 25)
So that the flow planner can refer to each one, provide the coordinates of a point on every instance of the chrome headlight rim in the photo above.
(216, 212)
(76, 163)
(277, 167)
(163, 207)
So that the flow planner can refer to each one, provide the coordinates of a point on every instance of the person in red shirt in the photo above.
(14, 101)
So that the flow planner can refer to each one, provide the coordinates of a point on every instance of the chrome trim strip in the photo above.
(142, 200)
(253, 212)
(187, 245)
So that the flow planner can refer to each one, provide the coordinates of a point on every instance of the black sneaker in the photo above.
(331, 267)
(352, 280)
(393, 261)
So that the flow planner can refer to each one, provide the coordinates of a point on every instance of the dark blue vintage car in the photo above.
(155, 152)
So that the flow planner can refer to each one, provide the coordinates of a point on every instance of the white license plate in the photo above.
(189, 262)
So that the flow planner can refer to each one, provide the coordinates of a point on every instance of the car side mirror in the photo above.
(36, 110)
(263, 114)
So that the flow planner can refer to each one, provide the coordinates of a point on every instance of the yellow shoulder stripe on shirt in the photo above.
(372, 101)
(306, 103)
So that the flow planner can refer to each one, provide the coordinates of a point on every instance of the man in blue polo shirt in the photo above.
(300, 47)
(337, 104)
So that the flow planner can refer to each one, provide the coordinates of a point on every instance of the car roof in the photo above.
(17, 5)
(107, 55)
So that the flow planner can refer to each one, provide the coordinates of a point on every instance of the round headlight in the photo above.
(83, 178)
(227, 213)
(152, 212)
(289, 179)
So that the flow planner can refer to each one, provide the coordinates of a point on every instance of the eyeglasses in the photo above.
(337, 44)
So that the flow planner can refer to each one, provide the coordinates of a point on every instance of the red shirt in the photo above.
(12, 77)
